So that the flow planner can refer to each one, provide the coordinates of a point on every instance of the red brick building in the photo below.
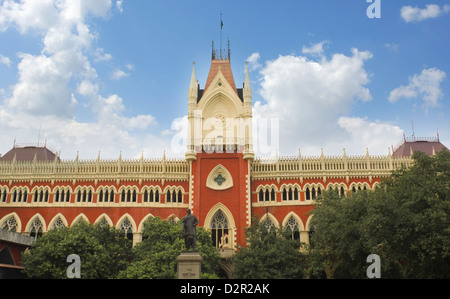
(220, 179)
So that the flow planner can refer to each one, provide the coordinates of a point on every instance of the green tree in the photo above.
(406, 221)
(270, 254)
(103, 251)
(155, 257)
(409, 221)
(338, 250)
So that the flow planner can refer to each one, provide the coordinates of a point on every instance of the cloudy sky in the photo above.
(113, 75)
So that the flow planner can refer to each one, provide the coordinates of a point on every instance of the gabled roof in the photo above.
(28, 153)
(225, 67)
(429, 146)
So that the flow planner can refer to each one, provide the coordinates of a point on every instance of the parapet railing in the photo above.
(121, 170)
(327, 167)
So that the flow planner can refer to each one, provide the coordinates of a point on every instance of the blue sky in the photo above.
(112, 76)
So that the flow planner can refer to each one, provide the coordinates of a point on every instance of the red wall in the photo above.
(234, 198)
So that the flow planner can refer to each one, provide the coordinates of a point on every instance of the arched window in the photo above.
(168, 196)
(308, 194)
(100, 196)
(157, 195)
(129, 196)
(152, 199)
(56, 197)
(127, 228)
(295, 193)
(261, 195)
(284, 194)
(58, 224)
(294, 228)
(269, 225)
(219, 230)
(111, 196)
(3, 195)
(10, 224)
(273, 197)
(134, 196)
(103, 222)
(36, 228)
(180, 196)
(145, 196)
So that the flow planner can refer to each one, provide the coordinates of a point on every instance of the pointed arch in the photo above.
(54, 222)
(141, 225)
(130, 219)
(271, 218)
(296, 217)
(80, 217)
(36, 226)
(231, 225)
(173, 218)
(18, 222)
(106, 218)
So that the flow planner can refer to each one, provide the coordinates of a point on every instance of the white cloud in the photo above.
(416, 14)
(44, 95)
(310, 99)
(5, 60)
(253, 61)
(119, 74)
(391, 47)
(315, 49)
(376, 136)
(87, 88)
(119, 4)
(42, 88)
(425, 84)
(100, 55)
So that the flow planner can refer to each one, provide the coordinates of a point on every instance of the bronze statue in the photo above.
(189, 231)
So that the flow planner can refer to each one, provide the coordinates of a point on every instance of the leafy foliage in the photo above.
(406, 221)
(271, 254)
(103, 251)
(155, 257)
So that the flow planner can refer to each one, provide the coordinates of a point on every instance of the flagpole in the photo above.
(221, 26)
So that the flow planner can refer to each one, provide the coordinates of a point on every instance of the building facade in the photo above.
(220, 179)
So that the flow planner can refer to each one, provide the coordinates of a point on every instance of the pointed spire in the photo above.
(247, 87)
(193, 87)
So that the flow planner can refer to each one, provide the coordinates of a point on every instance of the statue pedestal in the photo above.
(189, 265)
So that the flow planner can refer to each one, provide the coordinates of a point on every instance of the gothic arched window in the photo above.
(10, 224)
(294, 228)
(127, 228)
(36, 228)
(219, 230)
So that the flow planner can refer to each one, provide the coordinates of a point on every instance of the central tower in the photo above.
(220, 151)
